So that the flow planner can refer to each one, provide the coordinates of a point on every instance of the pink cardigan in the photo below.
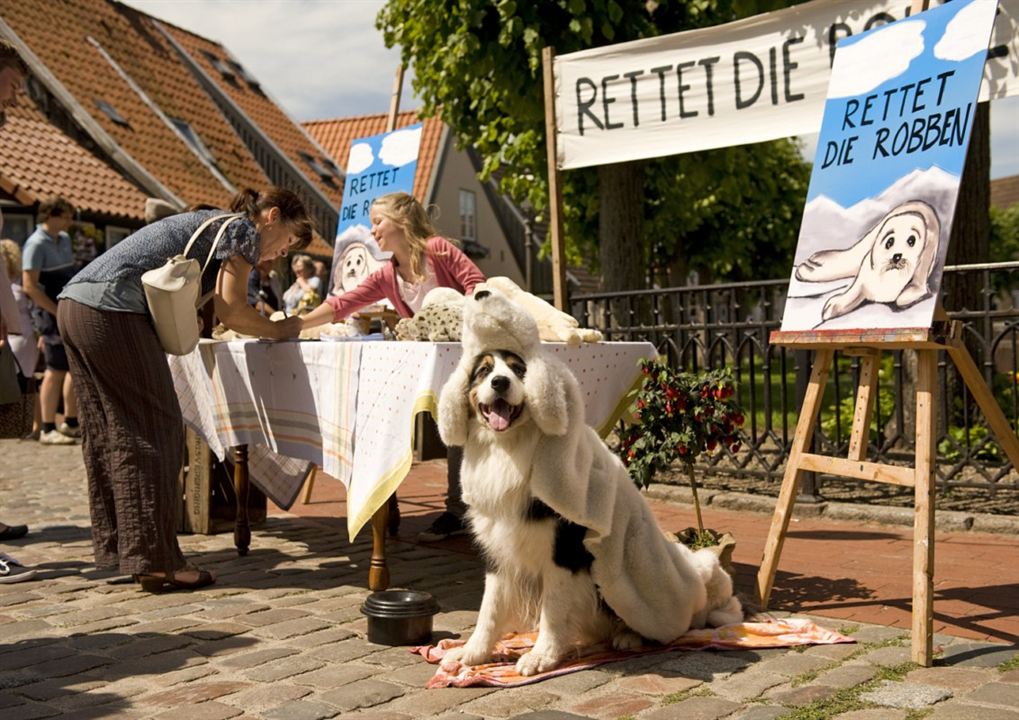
(452, 269)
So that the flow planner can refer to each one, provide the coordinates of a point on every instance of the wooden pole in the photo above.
(394, 102)
(923, 509)
(555, 190)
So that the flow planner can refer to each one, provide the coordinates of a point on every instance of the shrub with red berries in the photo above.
(678, 416)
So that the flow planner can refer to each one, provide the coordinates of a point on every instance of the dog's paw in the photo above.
(626, 640)
(535, 662)
(466, 655)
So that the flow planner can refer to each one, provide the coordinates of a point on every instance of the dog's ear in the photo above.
(550, 397)
(454, 408)
(918, 287)
(838, 264)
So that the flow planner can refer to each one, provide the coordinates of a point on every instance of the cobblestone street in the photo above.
(280, 634)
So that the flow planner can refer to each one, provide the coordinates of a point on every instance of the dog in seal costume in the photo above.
(571, 547)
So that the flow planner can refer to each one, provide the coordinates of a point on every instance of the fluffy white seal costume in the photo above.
(525, 446)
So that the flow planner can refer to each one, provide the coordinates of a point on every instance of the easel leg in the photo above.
(985, 399)
(378, 571)
(309, 484)
(790, 482)
(923, 519)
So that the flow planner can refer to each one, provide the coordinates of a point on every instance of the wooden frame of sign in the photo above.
(868, 345)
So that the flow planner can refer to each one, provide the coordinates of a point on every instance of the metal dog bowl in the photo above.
(399, 617)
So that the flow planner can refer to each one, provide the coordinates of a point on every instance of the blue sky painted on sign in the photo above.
(917, 75)
(378, 165)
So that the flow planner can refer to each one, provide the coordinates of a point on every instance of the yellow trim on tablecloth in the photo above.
(621, 407)
(427, 402)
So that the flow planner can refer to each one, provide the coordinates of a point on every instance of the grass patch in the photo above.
(848, 699)
(1012, 664)
(918, 714)
(674, 698)
(848, 629)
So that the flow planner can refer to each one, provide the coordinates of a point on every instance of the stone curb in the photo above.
(945, 520)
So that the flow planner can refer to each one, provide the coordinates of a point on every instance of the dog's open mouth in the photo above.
(500, 414)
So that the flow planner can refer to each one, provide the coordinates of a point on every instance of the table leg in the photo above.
(242, 529)
(378, 571)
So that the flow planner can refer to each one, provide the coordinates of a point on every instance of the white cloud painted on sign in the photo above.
(960, 41)
(361, 158)
(876, 59)
(400, 147)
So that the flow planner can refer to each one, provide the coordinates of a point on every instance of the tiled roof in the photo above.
(1005, 191)
(335, 136)
(259, 107)
(38, 160)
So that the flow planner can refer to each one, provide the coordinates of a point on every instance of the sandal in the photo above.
(159, 583)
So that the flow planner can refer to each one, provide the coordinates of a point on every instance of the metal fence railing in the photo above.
(703, 327)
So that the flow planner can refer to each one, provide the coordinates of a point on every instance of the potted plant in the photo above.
(680, 416)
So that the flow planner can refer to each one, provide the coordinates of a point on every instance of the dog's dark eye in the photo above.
(889, 242)
(911, 240)
(518, 368)
(482, 370)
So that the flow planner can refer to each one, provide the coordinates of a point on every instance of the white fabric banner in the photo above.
(756, 79)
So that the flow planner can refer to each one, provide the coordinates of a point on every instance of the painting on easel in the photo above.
(889, 160)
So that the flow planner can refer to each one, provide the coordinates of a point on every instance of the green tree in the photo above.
(478, 64)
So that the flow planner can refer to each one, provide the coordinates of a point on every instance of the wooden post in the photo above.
(394, 102)
(378, 571)
(923, 510)
(242, 529)
(555, 190)
(866, 392)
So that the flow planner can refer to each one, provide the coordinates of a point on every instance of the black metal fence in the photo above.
(702, 327)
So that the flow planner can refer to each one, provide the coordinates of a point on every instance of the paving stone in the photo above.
(195, 693)
(799, 696)
(203, 711)
(393, 657)
(833, 652)
(362, 694)
(887, 656)
(416, 675)
(747, 685)
(548, 715)
(68, 666)
(977, 654)
(996, 693)
(695, 708)
(877, 633)
(254, 659)
(964, 711)
(321, 637)
(511, 701)
(610, 705)
(577, 683)
(333, 676)
(873, 714)
(292, 628)
(704, 665)
(657, 684)
(30, 711)
(846, 676)
(958, 679)
(266, 697)
(217, 631)
(1010, 676)
(429, 703)
(343, 651)
(263, 617)
(301, 710)
(150, 646)
(761, 712)
(908, 695)
(284, 668)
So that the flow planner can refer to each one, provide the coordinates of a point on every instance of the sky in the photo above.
(324, 58)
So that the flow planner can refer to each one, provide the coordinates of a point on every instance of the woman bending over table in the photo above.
(422, 260)
(132, 429)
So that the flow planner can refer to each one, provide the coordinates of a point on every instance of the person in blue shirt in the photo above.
(47, 264)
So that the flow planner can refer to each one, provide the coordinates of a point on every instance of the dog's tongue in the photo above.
(499, 415)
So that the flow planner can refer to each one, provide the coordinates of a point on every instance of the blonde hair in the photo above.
(11, 254)
(410, 216)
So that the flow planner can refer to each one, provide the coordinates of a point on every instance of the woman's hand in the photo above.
(288, 327)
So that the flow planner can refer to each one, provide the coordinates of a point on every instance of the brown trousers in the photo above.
(132, 436)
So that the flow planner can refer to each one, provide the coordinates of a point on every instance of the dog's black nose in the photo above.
(896, 257)
(500, 383)
(481, 294)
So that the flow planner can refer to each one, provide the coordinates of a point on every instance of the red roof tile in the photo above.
(335, 136)
(259, 108)
(1005, 191)
(39, 160)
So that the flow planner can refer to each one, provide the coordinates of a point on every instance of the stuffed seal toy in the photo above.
(439, 319)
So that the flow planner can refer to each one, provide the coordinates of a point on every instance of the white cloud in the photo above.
(967, 33)
(361, 158)
(400, 147)
(318, 58)
(877, 58)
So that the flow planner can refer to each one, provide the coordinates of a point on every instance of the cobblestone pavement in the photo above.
(280, 636)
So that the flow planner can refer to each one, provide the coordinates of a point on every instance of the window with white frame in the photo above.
(468, 216)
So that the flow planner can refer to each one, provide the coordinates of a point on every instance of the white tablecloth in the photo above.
(349, 407)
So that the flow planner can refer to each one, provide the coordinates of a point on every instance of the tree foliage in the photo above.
(477, 63)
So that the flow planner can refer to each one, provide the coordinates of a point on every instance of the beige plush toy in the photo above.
(553, 325)
(439, 319)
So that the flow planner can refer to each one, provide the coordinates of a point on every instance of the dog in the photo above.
(890, 264)
(570, 545)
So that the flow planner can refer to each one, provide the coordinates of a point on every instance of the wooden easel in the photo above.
(944, 335)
